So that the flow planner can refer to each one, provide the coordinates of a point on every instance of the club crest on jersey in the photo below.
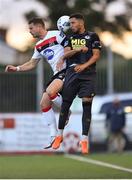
(87, 37)
(66, 43)
(49, 54)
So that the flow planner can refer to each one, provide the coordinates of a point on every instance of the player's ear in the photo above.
(81, 22)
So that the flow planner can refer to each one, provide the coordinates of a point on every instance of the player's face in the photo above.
(75, 25)
(34, 30)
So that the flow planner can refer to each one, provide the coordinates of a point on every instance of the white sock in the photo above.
(60, 132)
(53, 129)
(49, 120)
(84, 137)
(57, 101)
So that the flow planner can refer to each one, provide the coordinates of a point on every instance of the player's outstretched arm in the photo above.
(10, 68)
(24, 67)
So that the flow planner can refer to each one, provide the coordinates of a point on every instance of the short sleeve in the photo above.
(96, 44)
(36, 54)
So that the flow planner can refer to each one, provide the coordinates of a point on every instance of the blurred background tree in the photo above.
(95, 12)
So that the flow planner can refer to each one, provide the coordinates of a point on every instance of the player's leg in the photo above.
(52, 90)
(51, 95)
(69, 93)
(62, 121)
(54, 87)
(86, 92)
(86, 117)
(86, 121)
(48, 116)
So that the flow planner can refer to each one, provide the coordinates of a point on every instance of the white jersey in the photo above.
(51, 48)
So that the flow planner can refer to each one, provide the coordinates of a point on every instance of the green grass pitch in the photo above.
(59, 167)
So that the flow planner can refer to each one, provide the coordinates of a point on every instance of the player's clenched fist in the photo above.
(84, 49)
(10, 68)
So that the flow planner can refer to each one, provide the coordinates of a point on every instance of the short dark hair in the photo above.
(37, 20)
(77, 16)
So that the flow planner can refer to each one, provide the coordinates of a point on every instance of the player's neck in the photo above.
(82, 30)
(43, 34)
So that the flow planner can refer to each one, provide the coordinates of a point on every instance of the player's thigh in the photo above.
(54, 87)
(45, 101)
(70, 89)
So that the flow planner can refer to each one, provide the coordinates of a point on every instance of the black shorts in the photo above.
(74, 85)
(60, 75)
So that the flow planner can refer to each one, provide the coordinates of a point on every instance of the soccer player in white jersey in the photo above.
(49, 46)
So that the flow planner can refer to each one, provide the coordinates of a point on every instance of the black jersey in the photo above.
(88, 39)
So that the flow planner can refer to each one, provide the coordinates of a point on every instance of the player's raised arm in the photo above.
(24, 67)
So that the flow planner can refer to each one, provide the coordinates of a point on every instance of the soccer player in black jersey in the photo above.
(81, 53)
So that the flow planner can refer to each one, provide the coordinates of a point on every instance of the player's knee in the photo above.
(51, 92)
(41, 105)
(45, 101)
(87, 105)
(87, 99)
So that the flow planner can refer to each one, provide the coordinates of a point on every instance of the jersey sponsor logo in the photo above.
(49, 54)
(77, 43)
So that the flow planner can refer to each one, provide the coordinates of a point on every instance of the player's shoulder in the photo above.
(71, 36)
(38, 42)
(92, 34)
(53, 31)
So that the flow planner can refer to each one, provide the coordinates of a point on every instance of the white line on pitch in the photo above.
(100, 163)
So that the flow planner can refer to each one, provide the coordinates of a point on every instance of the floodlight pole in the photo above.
(39, 84)
(110, 71)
